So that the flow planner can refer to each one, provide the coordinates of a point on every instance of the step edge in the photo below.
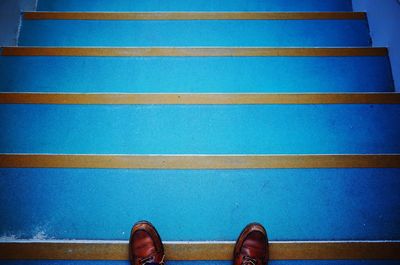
(198, 161)
(197, 98)
(194, 51)
(48, 15)
(5, 240)
(204, 250)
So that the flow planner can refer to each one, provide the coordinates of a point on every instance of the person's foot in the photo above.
(145, 245)
(252, 246)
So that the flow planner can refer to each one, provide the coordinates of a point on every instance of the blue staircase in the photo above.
(199, 116)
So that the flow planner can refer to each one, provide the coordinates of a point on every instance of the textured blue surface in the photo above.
(275, 262)
(195, 5)
(195, 33)
(195, 74)
(293, 204)
(196, 129)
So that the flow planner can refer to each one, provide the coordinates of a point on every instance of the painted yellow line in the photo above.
(199, 99)
(98, 250)
(195, 52)
(198, 161)
(194, 15)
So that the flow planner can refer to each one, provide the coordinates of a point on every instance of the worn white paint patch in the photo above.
(8, 238)
(38, 234)
(18, 30)
(41, 235)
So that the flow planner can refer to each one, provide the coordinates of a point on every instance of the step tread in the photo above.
(196, 73)
(178, 5)
(204, 32)
(201, 129)
(293, 204)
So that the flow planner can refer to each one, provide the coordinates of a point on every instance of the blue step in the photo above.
(200, 129)
(294, 204)
(195, 74)
(194, 5)
(250, 33)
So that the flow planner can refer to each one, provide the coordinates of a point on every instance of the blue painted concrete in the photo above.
(195, 74)
(235, 129)
(10, 18)
(275, 262)
(293, 204)
(267, 33)
(384, 19)
(195, 5)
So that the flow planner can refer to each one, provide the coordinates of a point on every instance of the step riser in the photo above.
(195, 74)
(194, 129)
(269, 33)
(195, 5)
(312, 204)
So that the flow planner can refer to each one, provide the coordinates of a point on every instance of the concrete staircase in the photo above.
(199, 116)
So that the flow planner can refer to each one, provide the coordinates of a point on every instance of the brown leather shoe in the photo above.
(145, 245)
(252, 246)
